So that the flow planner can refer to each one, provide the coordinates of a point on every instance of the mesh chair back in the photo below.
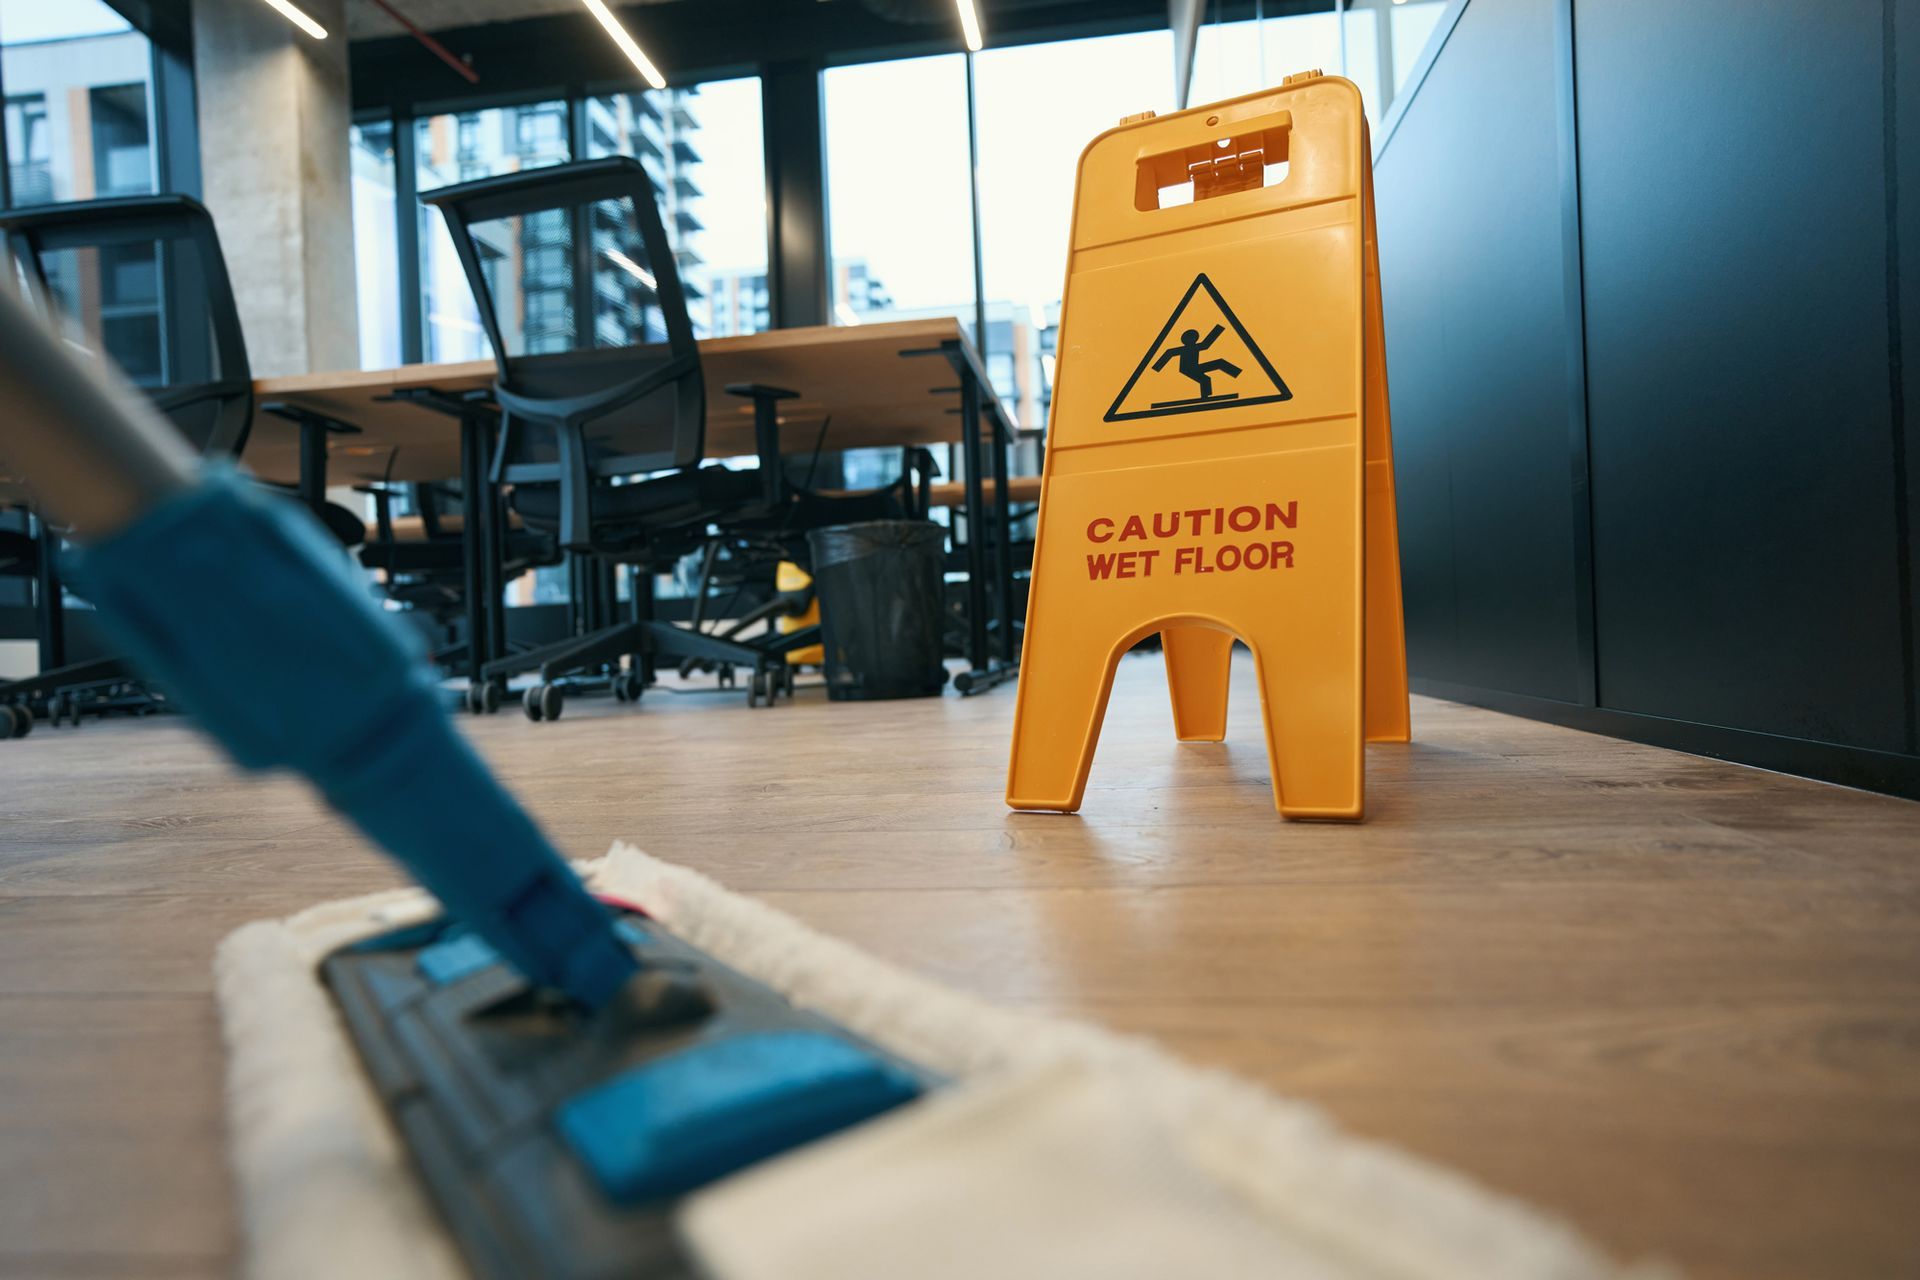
(581, 297)
(142, 282)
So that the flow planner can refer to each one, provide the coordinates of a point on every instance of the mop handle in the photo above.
(238, 603)
(97, 452)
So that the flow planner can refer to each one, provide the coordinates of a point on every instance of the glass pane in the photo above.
(704, 148)
(376, 252)
(900, 211)
(458, 148)
(1363, 63)
(1229, 61)
(79, 106)
(1078, 88)
(1411, 25)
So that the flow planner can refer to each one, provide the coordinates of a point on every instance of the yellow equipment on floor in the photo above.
(1219, 464)
(791, 577)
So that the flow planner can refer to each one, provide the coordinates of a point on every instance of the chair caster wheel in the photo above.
(483, 699)
(19, 721)
(761, 688)
(544, 702)
(726, 676)
(628, 686)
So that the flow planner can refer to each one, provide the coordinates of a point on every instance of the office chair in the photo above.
(604, 416)
(142, 281)
(428, 573)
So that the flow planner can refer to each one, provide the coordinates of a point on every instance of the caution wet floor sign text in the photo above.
(1219, 463)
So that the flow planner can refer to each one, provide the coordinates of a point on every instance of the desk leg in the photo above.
(1003, 543)
(496, 571)
(51, 613)
(313, 463)
(977, 655)
(475, 495)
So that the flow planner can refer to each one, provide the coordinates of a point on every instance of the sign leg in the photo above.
(1198, 669)
(1066, 674)
(1311, 703)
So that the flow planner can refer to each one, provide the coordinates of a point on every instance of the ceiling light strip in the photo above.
(605, 17)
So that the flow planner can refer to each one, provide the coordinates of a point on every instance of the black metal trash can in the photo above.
(881, 608)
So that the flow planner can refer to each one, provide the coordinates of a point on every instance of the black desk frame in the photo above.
(484, 532)
(978, 402)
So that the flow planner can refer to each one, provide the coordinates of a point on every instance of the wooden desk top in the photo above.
(854, 374)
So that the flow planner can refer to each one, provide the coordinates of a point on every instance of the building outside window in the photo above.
(459, 147)
(79, 102)
(79, 126)
(704, 148)
(29, 149)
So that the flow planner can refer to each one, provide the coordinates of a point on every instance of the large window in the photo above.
(1240, 55)
(376, 250)
(1075, 89)
(460, 147)
(79, 102)
(1380, 43)
(900, 208)
(704, 148)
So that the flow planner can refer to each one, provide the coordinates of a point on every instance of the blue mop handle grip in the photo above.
(237, 603)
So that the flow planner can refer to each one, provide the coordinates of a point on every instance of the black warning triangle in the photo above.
(1199, 371)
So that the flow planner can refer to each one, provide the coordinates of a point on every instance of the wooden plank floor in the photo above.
(1674, 1000)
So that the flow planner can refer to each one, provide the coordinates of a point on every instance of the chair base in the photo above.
(94, 687)
(598, 653)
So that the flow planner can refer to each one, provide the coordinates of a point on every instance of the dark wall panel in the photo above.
(1904, 62)
(1734, 223)
(1472, 268)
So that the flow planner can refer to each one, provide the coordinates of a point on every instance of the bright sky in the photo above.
(897, 140)
(732, 174)
(25, 20)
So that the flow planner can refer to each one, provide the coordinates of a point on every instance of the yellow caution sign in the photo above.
(1219, 462)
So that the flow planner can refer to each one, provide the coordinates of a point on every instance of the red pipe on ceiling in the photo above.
(439, 50)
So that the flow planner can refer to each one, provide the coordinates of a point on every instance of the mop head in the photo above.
(1060, 1150)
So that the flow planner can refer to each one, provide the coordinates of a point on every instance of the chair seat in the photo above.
(676, 498)
(448, 555)
(716, 493)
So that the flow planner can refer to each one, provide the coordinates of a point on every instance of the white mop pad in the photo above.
(1057, 1132)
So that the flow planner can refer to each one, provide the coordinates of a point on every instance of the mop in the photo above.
(518, 1072)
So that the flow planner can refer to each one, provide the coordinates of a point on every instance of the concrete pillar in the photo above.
(274, 113)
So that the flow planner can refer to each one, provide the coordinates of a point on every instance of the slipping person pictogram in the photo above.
(1153, 392)
(1190, 349)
